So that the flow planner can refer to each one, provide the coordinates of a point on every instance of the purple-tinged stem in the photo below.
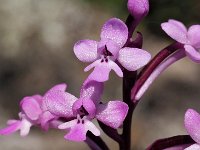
(96, 142)
(171, 142)
(151, 66)
(92, 144)
(162, 67)
(128, 82)
(112, 133)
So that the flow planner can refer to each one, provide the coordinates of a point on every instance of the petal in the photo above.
(112, 114)
(78, 130)
(192, 124)
(115, 30)
(116, 68)
(38, 98)
(92, 90)
(133, 58)
(178, 24)
(60, 87)
(86, 50)
(91, 127)
(12, 121)
(25, 127)
(68, 124)
(175, 31)
(11, 128)
(31, 108)
(194, 35)
(192, 53)
(193, 147)
(59, 102)
(45, 119)
(77, 133)
(102, 70)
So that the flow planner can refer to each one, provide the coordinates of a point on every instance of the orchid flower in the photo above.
(192, 125)
(29, 116)
(108, 50)
(33, 113)
(190, 38)
(84, 109)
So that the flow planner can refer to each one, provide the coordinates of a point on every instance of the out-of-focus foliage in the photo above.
(117, 7)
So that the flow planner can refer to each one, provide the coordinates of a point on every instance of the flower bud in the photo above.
(138, 8)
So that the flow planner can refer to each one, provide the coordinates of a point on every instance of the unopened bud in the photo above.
(138, 8)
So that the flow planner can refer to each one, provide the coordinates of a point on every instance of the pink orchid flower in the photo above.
(84, 109)
(29, 116)
(192, 125)
(190, 38)
(33, 113)
(108, 50)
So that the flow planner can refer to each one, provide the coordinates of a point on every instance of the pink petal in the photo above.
(31, 108)
(77, 133)
(59, 102)
(92, 90)
(113, 113)
(133, 58)
(194, 35)
(175, 31)
(92, 65)
(86, 50)
(115, 30)
(38, 98)
(78, 130)
(25, 127)
(116, 68)
(45, 119)
(102, 70)
(193, 147)
(11, 128)
(60, 87)
(192, 124)
(89, 126)
(68, 124)
(11, 121)
(178, 24)
(192, 53)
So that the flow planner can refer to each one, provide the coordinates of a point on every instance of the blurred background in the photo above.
(36, 52)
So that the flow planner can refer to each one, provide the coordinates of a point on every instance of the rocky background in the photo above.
(36, 52)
